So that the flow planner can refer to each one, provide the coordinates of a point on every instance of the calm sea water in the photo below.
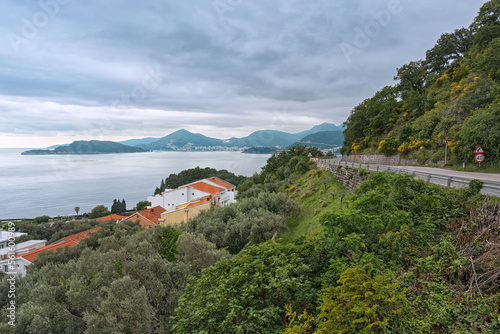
(32, 186)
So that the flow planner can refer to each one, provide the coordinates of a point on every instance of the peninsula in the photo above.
(88, 147)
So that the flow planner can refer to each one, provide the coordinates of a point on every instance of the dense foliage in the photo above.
(122, 279)
(401, 256)
(194, 174)
(52, 231)
(251, 220)
(454, 93)
(398, 256)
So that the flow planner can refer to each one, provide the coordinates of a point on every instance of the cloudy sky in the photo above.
(114, 70)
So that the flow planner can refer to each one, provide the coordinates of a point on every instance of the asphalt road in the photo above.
(488, 177)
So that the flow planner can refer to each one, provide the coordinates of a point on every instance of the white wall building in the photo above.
(20, 263)
(222, 192)
(171, 198)
(5, 235)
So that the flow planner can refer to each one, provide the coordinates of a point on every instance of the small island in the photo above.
(88, 147)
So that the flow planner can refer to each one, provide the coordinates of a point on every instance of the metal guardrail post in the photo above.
(448, 182)
(429, 178)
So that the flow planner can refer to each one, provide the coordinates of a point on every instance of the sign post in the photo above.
(446, 142)
(480, 155)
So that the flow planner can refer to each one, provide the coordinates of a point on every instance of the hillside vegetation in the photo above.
(296, 254)
(454, 93)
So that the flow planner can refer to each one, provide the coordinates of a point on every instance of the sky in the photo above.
(116, 70)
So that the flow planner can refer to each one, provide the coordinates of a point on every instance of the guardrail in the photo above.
(489, 188)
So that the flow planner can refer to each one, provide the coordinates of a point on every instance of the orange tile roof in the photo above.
(200, 185)
(221, 182)
(152, 214)
(70, 241)
(110, 217)
(203, 200)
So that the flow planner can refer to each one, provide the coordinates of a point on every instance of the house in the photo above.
(113, 217)
(186, 211)
(222, 192)
(147, 218)
(22, 248)
(190, 199)
(5, 235)
(18, 265)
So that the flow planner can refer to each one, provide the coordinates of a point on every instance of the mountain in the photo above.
(264, 138)
(320, 128)
(88, 147)
(453, 94)
(185, 140)
(137, 142)
(56, 146)
(323, 139)
(182, 139)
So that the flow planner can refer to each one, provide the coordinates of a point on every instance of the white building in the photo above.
(5, 235)
(222, 192)
(20, 263)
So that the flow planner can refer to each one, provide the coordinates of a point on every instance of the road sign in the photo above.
(479, 150)
(479, 157)
(447, 141)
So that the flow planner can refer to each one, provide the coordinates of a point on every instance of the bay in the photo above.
(53, 185)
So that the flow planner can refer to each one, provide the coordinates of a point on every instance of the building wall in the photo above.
(22, 248)
(172, 198)
(20, 266)
(228, 198)
(183, 215)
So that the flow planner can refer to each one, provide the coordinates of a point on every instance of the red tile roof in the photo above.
(202, 200)
(152, 214)
(221, 182)
(200, 185)
(110, 217)
(70, 240)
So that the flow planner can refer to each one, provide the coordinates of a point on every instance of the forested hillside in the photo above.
(454, 93)
(398, 256)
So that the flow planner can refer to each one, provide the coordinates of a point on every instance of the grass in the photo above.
(474, 167)
(316, 192)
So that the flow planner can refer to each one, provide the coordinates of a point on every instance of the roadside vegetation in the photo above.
(454, 93)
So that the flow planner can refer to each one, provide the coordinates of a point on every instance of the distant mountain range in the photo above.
(183, 140)
(88, 147)
(323, 139)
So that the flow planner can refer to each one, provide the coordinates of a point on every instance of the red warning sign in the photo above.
(479, 150)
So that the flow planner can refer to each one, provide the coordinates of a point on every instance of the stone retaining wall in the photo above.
(379, 159)
(348, 177)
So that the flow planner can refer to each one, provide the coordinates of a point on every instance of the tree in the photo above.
(142, 204)
(363, 303)
(448, 48)
(114, 207)
(486, 25)
(77, 209)
(99, 211)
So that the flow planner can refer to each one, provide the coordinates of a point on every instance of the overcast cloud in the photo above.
(129, 69)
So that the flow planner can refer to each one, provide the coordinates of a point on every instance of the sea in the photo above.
(53, 185)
